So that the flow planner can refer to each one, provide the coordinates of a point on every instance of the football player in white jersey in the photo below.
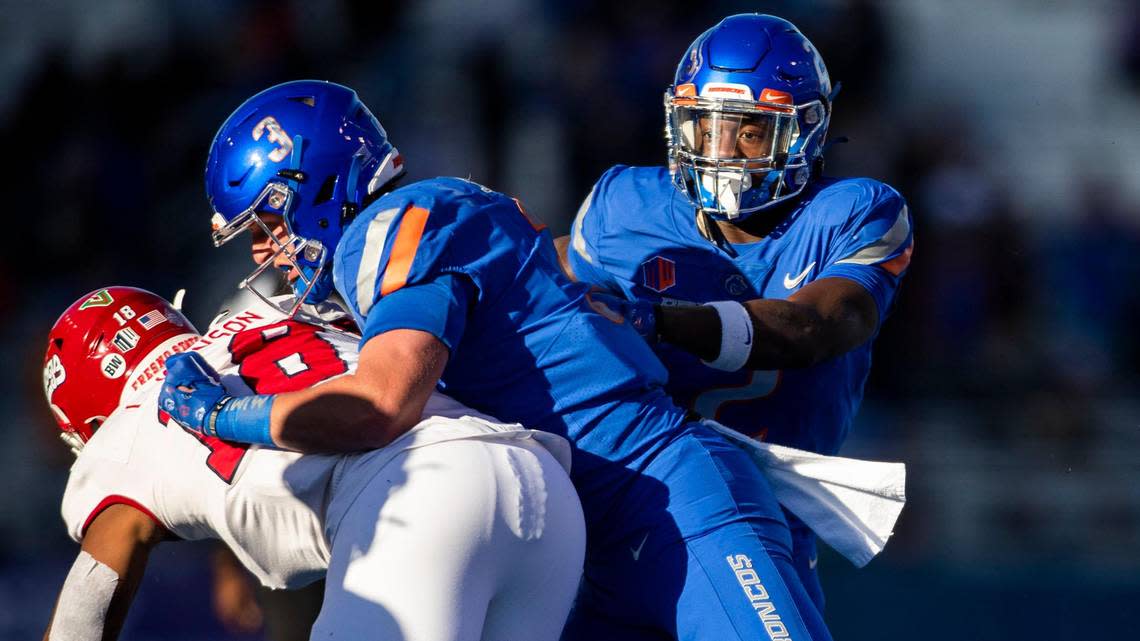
(463, 528)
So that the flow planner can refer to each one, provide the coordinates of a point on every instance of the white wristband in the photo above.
(735, 336)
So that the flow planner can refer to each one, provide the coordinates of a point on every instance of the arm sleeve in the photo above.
(438, 307)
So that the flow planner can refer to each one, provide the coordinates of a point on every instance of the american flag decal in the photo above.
(659, 273)
(152, 319)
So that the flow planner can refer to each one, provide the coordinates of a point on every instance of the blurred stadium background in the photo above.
(1005, 378)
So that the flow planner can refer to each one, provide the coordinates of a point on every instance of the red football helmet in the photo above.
(95, 348)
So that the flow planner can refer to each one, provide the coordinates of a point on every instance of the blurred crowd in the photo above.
(1004, 376)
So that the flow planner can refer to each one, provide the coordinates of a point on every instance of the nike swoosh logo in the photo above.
(637, 550)
(790, 283)
(748, 339)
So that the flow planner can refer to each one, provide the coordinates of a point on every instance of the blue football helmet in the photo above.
(747, 115)
(309, 151)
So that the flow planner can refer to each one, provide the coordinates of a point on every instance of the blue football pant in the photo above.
(708, 556)
(804, 559)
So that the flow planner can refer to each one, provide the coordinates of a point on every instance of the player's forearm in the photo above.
(824, 319)
(784, 334)
(98, 592)
(340, 415)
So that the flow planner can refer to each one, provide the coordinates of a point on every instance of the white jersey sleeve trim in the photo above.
(370, 259)
(578, 241)
(878, 251)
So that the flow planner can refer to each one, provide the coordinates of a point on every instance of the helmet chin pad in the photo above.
(722, 190)
(314, 286)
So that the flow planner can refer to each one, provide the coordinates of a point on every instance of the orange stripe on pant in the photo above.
(404, 250)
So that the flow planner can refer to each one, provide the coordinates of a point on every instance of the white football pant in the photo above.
(457, 541)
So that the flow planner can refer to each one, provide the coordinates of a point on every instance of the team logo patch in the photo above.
(692, 63)
(735, 285)
(101, 298)
(54, 375)
(125, 339)
(659, 273)
(113, 365)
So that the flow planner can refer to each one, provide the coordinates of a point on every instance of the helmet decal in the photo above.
(113, 366)
(100, 298)
(276, 135)
(54, 375)
(125, 339)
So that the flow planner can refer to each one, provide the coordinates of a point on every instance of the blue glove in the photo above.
(640, 314)
(193, 396)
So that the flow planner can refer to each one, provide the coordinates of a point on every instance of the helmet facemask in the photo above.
(306, 256)
(733, 157)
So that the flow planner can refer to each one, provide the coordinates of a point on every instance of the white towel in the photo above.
(851, 504)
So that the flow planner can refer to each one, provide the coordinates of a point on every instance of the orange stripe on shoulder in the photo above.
(404, 250)
(899, 263)
(534, 222)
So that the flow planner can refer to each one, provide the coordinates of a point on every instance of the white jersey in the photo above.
(276, 510)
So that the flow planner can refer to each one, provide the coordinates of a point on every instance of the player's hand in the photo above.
(191, 392)
(640, 314)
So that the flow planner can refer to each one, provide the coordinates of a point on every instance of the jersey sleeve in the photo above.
(875, 249)
(428, 255)
(103, 476)
(438, 307)
(584, 253)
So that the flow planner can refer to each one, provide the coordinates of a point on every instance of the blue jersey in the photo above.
(637, 234)
(667, 501)
(466, 264)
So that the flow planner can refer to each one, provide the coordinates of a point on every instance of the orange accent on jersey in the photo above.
(687, 89)
(604, 309)
(534, 222)
(404, 250)
(899, 263)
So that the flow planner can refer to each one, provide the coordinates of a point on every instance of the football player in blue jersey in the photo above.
(793, 272)
(451, 282)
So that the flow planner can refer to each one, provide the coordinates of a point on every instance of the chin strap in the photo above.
(73, 442)
(711, 232)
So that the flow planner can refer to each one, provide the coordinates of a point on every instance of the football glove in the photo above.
(192, 396)
(640, 314)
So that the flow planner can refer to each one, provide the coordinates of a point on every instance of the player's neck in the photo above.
(754, 228)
